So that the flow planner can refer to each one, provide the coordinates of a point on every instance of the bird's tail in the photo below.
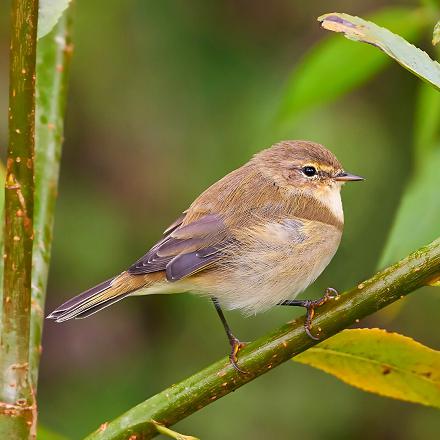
(98, 297)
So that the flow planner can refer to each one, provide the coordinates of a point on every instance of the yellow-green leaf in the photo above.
(384, 363)
(407, 55)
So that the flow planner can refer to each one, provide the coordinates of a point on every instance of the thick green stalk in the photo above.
(54, 52)
(17, 403)
(179, 401)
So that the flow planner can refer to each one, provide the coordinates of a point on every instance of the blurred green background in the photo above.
(165, 98)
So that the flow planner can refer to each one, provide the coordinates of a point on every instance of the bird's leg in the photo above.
(310, 305)
(236, 344)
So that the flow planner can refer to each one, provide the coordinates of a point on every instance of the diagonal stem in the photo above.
(179, 401)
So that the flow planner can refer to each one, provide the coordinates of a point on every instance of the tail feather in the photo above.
(94, 309)
(77, 300)
(96, 298)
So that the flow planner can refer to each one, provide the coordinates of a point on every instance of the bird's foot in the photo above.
(311, 305)
(236, 346)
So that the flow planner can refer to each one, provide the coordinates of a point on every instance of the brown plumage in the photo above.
(258, 236)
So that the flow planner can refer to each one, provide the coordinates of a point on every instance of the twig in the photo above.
(17, 407)
(181, 400)
(170, 433)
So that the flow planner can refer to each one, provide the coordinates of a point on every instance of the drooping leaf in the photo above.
(436, 34)
(412, 58)
(383, 363)
(336, 66)
(49, 12)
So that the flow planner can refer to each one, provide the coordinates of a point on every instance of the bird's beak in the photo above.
(347, 177)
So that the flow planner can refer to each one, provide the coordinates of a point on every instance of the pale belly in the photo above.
(272, 266)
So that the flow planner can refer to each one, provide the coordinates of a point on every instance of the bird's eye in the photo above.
(309, 171)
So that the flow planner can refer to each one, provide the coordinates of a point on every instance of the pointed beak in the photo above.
(347, 177)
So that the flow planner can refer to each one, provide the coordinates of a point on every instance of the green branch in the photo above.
(54, 52)
(17, 403)
(179, 401)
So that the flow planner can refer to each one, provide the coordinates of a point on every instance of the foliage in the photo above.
(345, 66)
(416, 228)
(410, 57)
(409, 229)
(384, 363)
(414, 222)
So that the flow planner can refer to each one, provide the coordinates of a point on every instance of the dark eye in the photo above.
(309, 171)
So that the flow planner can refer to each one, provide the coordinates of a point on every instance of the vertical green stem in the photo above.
(54, 52)
(17, 403)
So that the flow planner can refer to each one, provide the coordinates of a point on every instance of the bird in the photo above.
(253, 240)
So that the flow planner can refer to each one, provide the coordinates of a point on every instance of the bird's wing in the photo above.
(185, 248)
(212, 223)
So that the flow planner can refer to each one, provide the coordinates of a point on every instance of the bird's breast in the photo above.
(274, 261)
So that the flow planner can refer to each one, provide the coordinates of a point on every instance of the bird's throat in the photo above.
(330, 197)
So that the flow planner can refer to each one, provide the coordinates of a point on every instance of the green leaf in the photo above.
(49, 13)
(383, 363)
(426, 122)
(436, 34)
(335, 66)
(407, 55)
(412, 226)
(417, 219)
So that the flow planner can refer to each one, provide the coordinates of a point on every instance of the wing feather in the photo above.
(185, 249)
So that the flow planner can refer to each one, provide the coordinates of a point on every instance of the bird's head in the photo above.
(303, 166)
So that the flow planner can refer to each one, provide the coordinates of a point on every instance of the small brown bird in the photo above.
(253, 240)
